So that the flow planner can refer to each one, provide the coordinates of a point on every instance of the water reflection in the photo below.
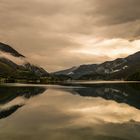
(7, 112)
(74, 113)
(13, 98)
(128, 93)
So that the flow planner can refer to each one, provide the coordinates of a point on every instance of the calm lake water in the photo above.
(95, 111)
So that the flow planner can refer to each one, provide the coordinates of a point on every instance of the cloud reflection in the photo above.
(58, 114)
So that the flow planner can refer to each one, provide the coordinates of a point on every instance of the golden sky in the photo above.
(58, 34)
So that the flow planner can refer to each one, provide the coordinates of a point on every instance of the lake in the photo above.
(74, 111)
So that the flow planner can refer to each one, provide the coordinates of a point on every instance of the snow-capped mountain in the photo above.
(120, 68)
(76, 72)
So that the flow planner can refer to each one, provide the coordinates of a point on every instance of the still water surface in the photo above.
(99, 111)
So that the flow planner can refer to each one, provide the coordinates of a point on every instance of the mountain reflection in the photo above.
(7, 112)
(60, 113)
(121, 93)
(10, 98)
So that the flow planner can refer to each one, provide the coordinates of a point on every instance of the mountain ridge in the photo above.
(8, 49)
(10, 69)
(117, 69)
(127, 68)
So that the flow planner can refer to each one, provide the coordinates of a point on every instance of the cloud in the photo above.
(116, 11)
(112, 48)
(50, 30)
(16, 60)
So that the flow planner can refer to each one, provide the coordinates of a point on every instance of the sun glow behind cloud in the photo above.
(111, 48)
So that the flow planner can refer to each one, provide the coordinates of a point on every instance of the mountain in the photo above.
(14, 65)
(8, 49)
(118, 69)
(76, 72)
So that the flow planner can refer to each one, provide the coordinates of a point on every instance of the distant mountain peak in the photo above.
(8, 49)
(119, 68)
(135, 56)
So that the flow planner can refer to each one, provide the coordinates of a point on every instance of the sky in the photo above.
(59, 34)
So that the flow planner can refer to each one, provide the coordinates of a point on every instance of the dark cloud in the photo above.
(116, 11)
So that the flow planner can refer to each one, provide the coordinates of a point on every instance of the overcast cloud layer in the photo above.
(60, 34)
